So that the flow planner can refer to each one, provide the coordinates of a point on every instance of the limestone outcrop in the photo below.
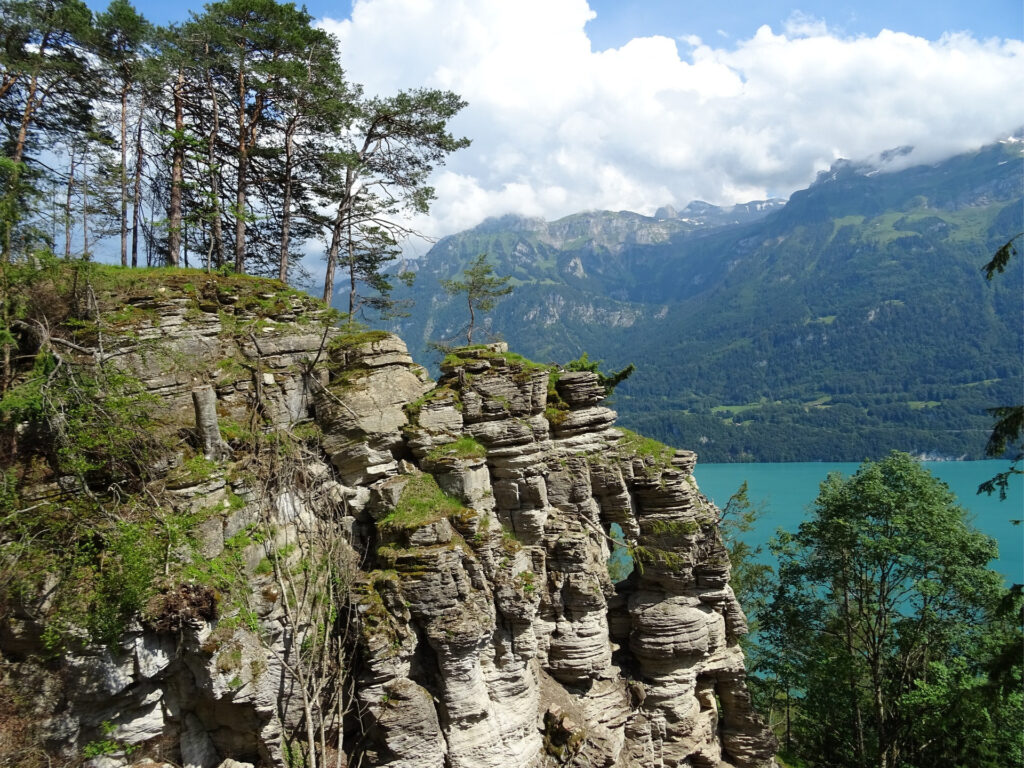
(371, 568)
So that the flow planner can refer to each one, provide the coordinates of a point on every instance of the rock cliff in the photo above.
(309, 553)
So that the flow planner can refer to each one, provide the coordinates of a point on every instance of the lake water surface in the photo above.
(788, 490)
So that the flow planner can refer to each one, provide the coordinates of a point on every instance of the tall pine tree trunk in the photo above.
(124, 176)
(344, 211)
(10, 204)
(85, 209)
(216, 231)
(26, 120)
(243, 170)
(67, 205)
(351, 273)
(286, 214)
(332, 255)
(137, 195)
(177, 173)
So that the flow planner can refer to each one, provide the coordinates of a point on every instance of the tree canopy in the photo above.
(888, 621)
(233, 140)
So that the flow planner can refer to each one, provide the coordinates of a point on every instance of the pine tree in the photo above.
(380, 172)
(123, 37)
(482, 288)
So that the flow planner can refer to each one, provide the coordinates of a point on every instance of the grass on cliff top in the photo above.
(633, 444)
(422, 502)
(459, 357)
(69, 293)
(466, 447)
(118, 284)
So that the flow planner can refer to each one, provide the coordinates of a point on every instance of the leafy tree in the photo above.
(748, 577)
(1007, 434)
(888, 616)
(482, 289)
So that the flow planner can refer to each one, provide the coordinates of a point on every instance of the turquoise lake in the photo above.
(787, 491)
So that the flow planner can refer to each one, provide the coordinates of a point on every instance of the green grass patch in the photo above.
(982, 383)
(846, 221)
(556, 410)
(510, 543)
(732, 410)
(820, 402)
(466, 447)
(412, 410)
(463, 356)
(556, 416)
(422, 502)
(633, 444)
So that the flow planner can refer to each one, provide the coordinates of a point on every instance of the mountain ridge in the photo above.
(863, 275)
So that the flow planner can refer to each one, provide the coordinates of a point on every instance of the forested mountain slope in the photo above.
(852, 320)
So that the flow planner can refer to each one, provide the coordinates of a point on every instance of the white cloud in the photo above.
(558, 127)
(800, 24)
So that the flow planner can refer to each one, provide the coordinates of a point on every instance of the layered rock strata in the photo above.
(471, 521)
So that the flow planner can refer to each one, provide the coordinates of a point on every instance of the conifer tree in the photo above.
(46, 88)
(482, 289)
(123, 37)
(380, 172)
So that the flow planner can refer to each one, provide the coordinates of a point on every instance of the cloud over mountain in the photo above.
(559, 127)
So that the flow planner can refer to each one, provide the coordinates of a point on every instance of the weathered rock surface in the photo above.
(484, 631)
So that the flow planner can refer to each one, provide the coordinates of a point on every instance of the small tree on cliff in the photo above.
(482, 288)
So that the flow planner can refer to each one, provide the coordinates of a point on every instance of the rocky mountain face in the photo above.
(699, 214)
(326, 558)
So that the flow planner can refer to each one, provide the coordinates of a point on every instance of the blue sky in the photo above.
(620, 20)
(617, 20)
(628, 105)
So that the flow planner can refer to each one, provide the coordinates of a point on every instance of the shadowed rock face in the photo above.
(485, 628)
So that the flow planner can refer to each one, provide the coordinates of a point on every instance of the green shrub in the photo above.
(609, 382)
(527, 582)
(125, 580)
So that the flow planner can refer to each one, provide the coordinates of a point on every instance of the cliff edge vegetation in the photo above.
(233, 532)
